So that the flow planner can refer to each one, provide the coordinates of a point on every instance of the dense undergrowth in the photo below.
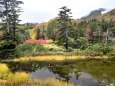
(33, 49)
(52, 49)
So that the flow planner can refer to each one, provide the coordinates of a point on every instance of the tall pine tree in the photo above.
(9, 15)
(64, 25)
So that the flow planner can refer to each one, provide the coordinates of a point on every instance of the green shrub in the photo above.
(112, 53)
(27, 49)
(106, 49)
(53, 47)
(95, 47)
(99, 49)
(81, 43)
(71, 42)
(7, 50)
(22, 35)
(89, 52)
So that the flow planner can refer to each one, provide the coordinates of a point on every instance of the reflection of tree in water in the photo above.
(103, 71)
(62, 69)
(25, 66)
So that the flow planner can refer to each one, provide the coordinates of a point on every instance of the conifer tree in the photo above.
(9, 15)
(64, 24)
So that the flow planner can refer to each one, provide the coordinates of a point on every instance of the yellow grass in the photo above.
(18, 77)
(36, 82)
(54, 82)
(49, 58)
(3, 68)
(56, 58)
(52, 46)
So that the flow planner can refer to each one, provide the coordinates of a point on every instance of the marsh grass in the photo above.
(48, 58)
(17, 78)
(51, 82)
(55, 58)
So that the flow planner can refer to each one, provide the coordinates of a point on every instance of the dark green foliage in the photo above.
(106, 49)
(52, 29)
(7, 37)
(102, 49)
(22, 35)
(81, 43)
(64, 24)
(7, 50)
(94, 49)
(106, 25)
(9, 15)
(38, 34)
(71, 42)
(80, 29)
(93, 25)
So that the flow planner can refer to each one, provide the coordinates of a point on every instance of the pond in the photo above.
(80, 72)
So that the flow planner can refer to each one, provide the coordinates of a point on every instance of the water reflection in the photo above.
(84, 73)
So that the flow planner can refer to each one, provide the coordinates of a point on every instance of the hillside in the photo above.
(97, 14)
(110, 15)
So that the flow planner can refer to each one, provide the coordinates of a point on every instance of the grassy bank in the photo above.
(55, 58)
(7, 78)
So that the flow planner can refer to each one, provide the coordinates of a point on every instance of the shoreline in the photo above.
(57, 58)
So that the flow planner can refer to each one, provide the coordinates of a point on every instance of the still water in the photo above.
(80, 73)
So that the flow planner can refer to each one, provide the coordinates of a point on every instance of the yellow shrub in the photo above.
(3, 68)
(49, 41)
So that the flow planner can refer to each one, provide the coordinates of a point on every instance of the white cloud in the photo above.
(43, 10)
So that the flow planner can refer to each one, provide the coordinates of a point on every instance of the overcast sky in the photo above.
(43, 10)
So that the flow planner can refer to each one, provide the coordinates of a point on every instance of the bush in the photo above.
(22, 35)
(7, 50)
(53, 47)
(100, 49)
(81, 43)
(106, 49)
(27, 49)
(4, 70)
(95, 47)
(71, 42)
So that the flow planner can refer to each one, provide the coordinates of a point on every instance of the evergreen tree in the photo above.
(9, 14)
(64, 24)
(38, 34)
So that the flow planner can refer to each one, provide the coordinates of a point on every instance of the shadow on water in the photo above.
(84, 73)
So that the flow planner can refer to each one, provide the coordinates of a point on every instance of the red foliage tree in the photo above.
(89, 35)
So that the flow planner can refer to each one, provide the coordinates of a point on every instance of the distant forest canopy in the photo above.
(49, 29)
